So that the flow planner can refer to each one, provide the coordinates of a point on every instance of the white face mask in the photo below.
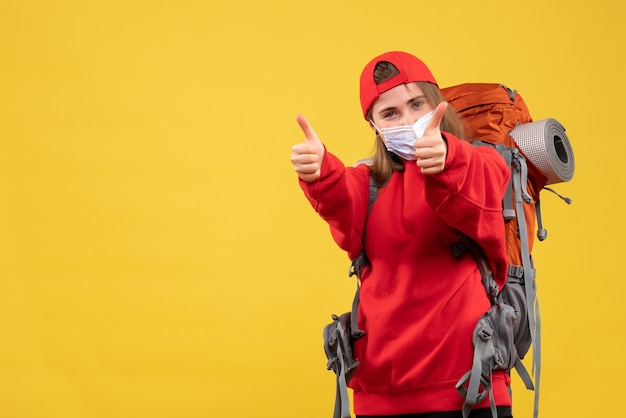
(401, 140)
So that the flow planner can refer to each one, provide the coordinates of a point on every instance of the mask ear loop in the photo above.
(373, 125)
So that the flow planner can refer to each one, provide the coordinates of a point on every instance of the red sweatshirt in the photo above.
(419, 304)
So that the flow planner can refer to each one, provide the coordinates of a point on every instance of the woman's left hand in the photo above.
(431, 148)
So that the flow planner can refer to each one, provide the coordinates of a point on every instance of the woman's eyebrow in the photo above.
(387, 109)
(416, 98)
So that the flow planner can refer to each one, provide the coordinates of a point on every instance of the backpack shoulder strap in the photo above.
(342, 408)
(521, 196)
(359, 263)
(515, 197)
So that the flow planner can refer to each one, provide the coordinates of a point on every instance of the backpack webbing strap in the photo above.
(507, 203)
(342, 402)
(356, 268)
(521, 196)
(542, 233)
(373, 194)
(359, 263)
(523, 374)
(515, 273)
(480, 373)
(513, 207)
(354, 314)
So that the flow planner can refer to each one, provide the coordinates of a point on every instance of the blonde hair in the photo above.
(384, 163)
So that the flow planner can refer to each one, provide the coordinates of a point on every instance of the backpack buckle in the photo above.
(357, 265)
(516, 271)
(485, 332)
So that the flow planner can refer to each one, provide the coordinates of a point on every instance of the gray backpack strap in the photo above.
(520, 164)
(347, 330)
(484, 361)
(523, 374)
(358, 264)
(521, 196)
(507, 203)
(542, 233)
(337, 345)
(342, 408)
(356, 268)
(354, 314)
(480, 373)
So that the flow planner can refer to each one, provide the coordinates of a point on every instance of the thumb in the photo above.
(435, 121)
(307, 130)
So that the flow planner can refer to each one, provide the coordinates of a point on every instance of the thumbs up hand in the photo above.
(431, 148)
(307, 156)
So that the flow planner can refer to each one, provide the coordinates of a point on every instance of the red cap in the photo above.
(410, 69)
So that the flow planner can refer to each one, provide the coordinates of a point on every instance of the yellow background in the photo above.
(157, 257)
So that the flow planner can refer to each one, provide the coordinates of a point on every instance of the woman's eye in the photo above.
(417, 104)
(389, 115)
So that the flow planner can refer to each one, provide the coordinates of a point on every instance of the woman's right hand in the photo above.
(307, 156)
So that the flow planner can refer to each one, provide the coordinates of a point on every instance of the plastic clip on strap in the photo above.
(516, 272)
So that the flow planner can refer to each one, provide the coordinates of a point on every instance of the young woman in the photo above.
(418, 303)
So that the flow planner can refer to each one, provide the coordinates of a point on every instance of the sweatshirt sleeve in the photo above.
(468, 195)
(340, 196)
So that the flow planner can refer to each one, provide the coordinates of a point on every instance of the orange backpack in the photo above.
(491, 113)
